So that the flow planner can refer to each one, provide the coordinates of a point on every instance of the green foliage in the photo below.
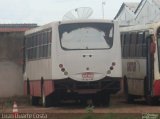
(117, 116)
(8, 103)
(107, 116)
(89, 109)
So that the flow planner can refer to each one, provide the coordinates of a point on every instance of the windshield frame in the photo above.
(74, 26)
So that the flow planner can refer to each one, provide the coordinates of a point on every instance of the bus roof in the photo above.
(49, 25)
(152, 27)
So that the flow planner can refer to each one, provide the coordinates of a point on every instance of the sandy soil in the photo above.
(118, 105)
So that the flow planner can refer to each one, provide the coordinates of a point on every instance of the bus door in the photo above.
(150, 65)
(158, 47)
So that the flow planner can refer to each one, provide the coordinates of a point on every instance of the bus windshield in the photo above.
(86, 36)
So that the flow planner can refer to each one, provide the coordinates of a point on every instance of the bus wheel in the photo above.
(55, 100)
(101, 99)
(151, 100)
(83, 101)
(48, 101)
(129, 98)
(106, 100)
(35, 100)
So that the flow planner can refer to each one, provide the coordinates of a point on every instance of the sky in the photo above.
(45, 11)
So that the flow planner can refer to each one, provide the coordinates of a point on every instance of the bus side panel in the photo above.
(156, 88)
(134, 70)
(35, 87)
(35, 70)
(156, 85)
(39, 68)
(136, 86)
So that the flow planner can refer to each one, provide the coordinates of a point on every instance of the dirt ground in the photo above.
(118, 106)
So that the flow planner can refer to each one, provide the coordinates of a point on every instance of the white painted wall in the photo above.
(148, 12)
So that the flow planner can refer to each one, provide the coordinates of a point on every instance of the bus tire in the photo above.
(35, 101)
(48, 101)
(55, 100)
(83, 101)
(129, 97)
(151, 100)
(125, 85)
(101, 99)
(106, 100)
(96, 100)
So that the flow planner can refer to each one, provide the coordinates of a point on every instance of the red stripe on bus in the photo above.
(48, 87)
(35, 87)
(156, 88)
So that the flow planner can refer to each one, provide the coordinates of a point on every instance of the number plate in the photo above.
(88, 75)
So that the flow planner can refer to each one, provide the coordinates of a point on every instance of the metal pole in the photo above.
(28, 87)
(103, 3)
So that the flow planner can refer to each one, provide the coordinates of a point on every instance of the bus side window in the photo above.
(30, 43)
(49, 42)
(122, 43)
(34, 51)
(45, 37)
(40, 38)
(139, 44)
(39, 45)
(144, 48)
(49, 36)
(40, 51)
(35, 46)
(133, 44)
(27, 46)
(127, 45)
(36, 39)
(122, 39)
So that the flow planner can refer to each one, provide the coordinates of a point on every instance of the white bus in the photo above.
(141, 62)
(78, 59)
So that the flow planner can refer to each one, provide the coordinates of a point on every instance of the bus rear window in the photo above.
(84, 36)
